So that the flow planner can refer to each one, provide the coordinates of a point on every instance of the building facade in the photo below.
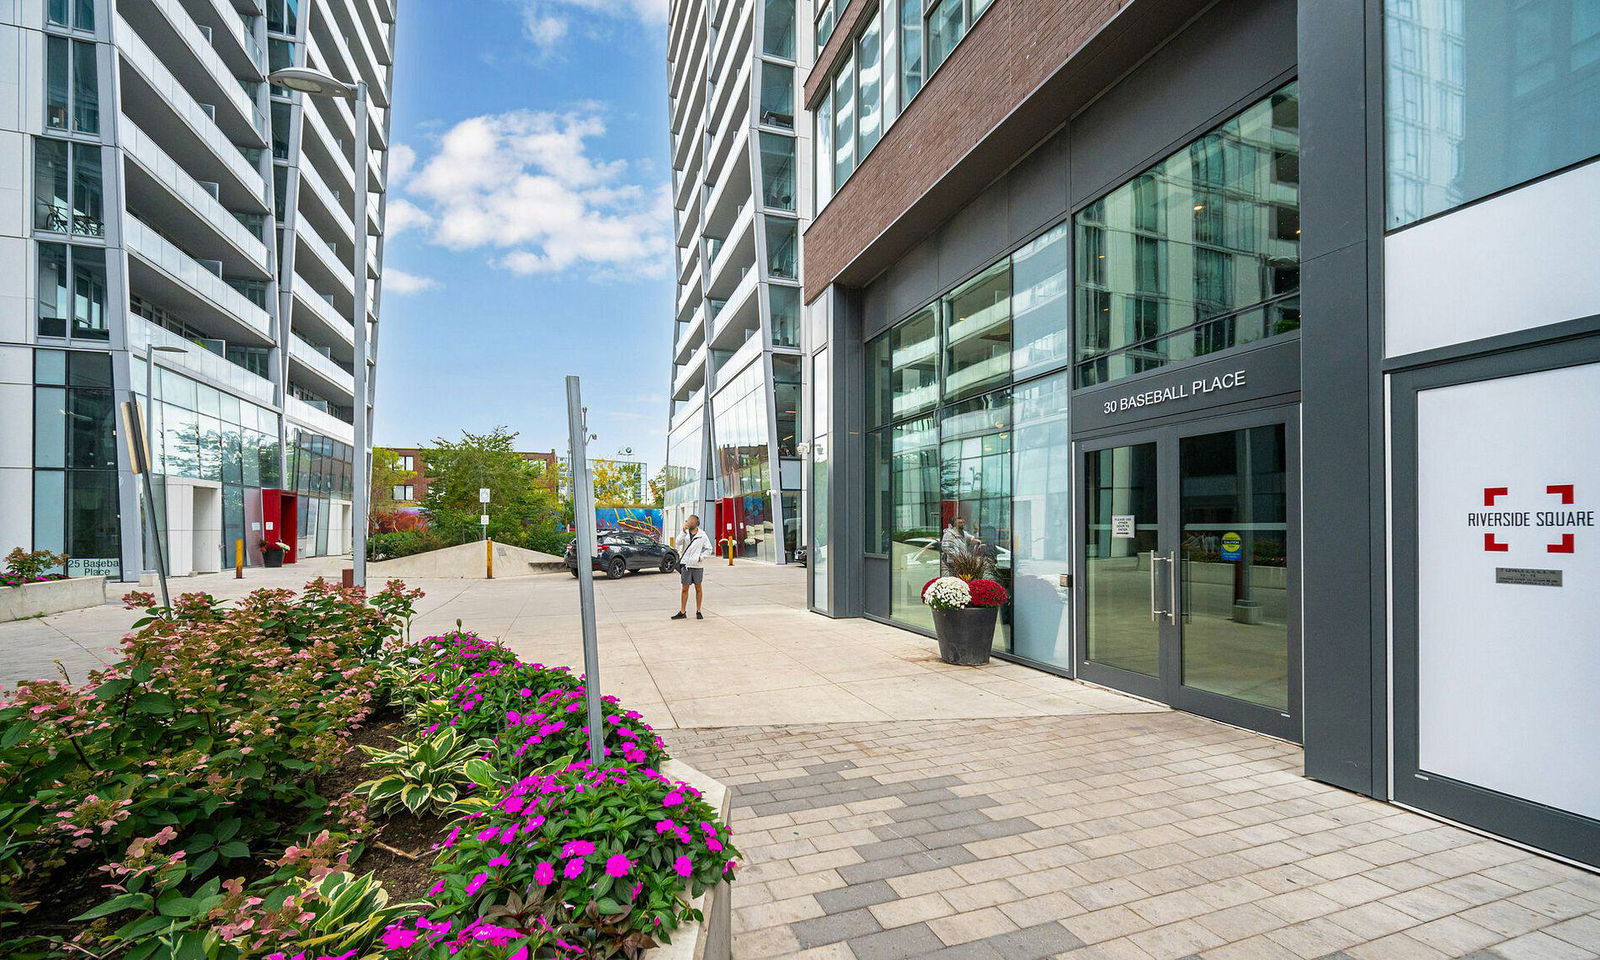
(170, 218)
(1256, 342)
(740, 189)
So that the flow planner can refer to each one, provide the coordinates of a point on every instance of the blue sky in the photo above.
(529, 223)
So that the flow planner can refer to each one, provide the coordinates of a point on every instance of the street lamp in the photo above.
(151, 349)
(315, 83)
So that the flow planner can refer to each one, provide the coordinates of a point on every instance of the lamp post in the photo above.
(315, 83)
(151, 349)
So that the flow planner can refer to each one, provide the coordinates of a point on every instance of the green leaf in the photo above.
(156, 703)
(234, 850)
(229, 829)
(253, 769)
(127, 901)
(142, 673)
(112, 689)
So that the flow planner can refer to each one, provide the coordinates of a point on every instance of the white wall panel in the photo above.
(1525, 259)
(1507, 672)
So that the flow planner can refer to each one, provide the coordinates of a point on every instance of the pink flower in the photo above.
(544, 874)
(665, 826)
(684, 866)
(477, 883)
(500, 861)
(672, 799)
(573, 870)
(714, 845)
(398, 938)
(618, 866)
(577, 848)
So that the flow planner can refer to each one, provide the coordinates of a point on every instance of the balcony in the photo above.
(738, 252)
(190, 214)
(199, 361)
(691, 376)
(239, 48)
(328, 267)
(328, 36)
(690, 294)
(316, 314)
(328, 203)
(320, 421)
(167, 26)
(734, 363)
(164, 109)
(739, 314)
(357, 50)
(690, 336)
(171, 276)
(319, 372)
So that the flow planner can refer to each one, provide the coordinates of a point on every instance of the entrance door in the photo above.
(1188, 592)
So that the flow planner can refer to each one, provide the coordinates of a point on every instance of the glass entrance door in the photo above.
(1189, 590)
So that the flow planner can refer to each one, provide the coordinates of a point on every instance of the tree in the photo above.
(522, 510)
(616, 483)
(386, 475)
(658, 488)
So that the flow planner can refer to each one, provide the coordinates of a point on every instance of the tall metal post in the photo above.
(583, 547)
(363, 460)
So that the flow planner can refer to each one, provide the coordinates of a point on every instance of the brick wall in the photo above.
(1011, 50)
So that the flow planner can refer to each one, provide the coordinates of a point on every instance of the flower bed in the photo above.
(198, 798)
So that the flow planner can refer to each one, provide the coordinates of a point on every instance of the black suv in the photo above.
(618, 553)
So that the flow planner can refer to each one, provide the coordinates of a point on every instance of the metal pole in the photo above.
(583, 547)
(363, 481)
(149, 492)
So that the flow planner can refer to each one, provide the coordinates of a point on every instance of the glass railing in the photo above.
(199, 360)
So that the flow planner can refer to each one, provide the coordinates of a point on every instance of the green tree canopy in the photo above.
(522, 510)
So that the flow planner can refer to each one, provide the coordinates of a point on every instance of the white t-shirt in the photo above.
(696, 550)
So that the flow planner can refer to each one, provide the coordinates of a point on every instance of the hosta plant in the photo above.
(426, 776)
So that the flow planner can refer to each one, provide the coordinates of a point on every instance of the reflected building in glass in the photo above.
(184, 224)
(739, 192)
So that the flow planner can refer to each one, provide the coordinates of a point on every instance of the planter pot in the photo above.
(51, 596)
(966, 635)
(272, 558)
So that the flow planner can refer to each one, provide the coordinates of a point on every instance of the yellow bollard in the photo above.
(730, 551)
(488, 557)
(238, 559)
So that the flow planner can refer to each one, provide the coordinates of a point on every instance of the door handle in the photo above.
(1172, 580)
(1154, 559)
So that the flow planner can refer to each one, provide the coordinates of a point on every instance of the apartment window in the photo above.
(72, 292)
(67, 188)
(869, 87)
(910, 50)
(404, 493)
(408, 463)
(844, 122)
(777, 95)
(826, 18)
(823, 166)
(784, 304)
(946, 24)
(72, 14)
(283, 16)
(280, 54)
(75, 506)
(777, 171)
(777, 30)
(72, 85)
(929, 32)
(1198, 254)
(282, 112)
(1528, 73)
(783, 248)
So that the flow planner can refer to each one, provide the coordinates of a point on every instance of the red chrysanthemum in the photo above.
(987, 593)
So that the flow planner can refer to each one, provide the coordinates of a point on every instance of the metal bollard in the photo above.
(238, 559)
(488, 557)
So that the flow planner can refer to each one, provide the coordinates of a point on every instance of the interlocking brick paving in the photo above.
(1141, 836)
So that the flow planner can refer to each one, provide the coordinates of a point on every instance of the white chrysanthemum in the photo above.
(948, 593)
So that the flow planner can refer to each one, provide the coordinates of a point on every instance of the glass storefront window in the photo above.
(1042, 536)
(977, 333)
(914, 365)
(1199, 254)
(1041, 275)
(1485, 95)
(777, 95)
(913, 518)
(786, 397)
(777, 171)
(75, 508)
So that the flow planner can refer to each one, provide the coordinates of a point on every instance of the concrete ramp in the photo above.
(466, 562)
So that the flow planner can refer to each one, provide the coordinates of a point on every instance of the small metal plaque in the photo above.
(1527, 577)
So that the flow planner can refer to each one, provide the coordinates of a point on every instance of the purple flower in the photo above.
(618, 866)
(684, 866)
(544, 874)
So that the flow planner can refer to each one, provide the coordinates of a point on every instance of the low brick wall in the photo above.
(52, 596)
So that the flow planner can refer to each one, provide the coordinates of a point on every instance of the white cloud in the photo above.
(547, 22)
(401, 161)
(401, 215)
(527, 185)
(400, 282)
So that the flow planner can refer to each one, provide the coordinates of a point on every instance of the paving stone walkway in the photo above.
(1153, 836)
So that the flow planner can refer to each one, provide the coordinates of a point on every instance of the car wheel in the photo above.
(616, 568)
(669, 563)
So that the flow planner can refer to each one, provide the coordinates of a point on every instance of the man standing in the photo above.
(691, 568)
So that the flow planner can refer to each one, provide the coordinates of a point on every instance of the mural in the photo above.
(632, 519)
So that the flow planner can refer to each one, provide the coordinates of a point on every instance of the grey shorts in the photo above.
(692, 575)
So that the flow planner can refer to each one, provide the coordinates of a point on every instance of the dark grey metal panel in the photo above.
(1342, 403)
(878, 598)
(847, 476)
(975, 237)
(1228, 55)
(1268, 372)
(1038, 189)
(910, 282)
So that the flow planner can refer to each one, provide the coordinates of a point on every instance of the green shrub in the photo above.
(426, 776)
